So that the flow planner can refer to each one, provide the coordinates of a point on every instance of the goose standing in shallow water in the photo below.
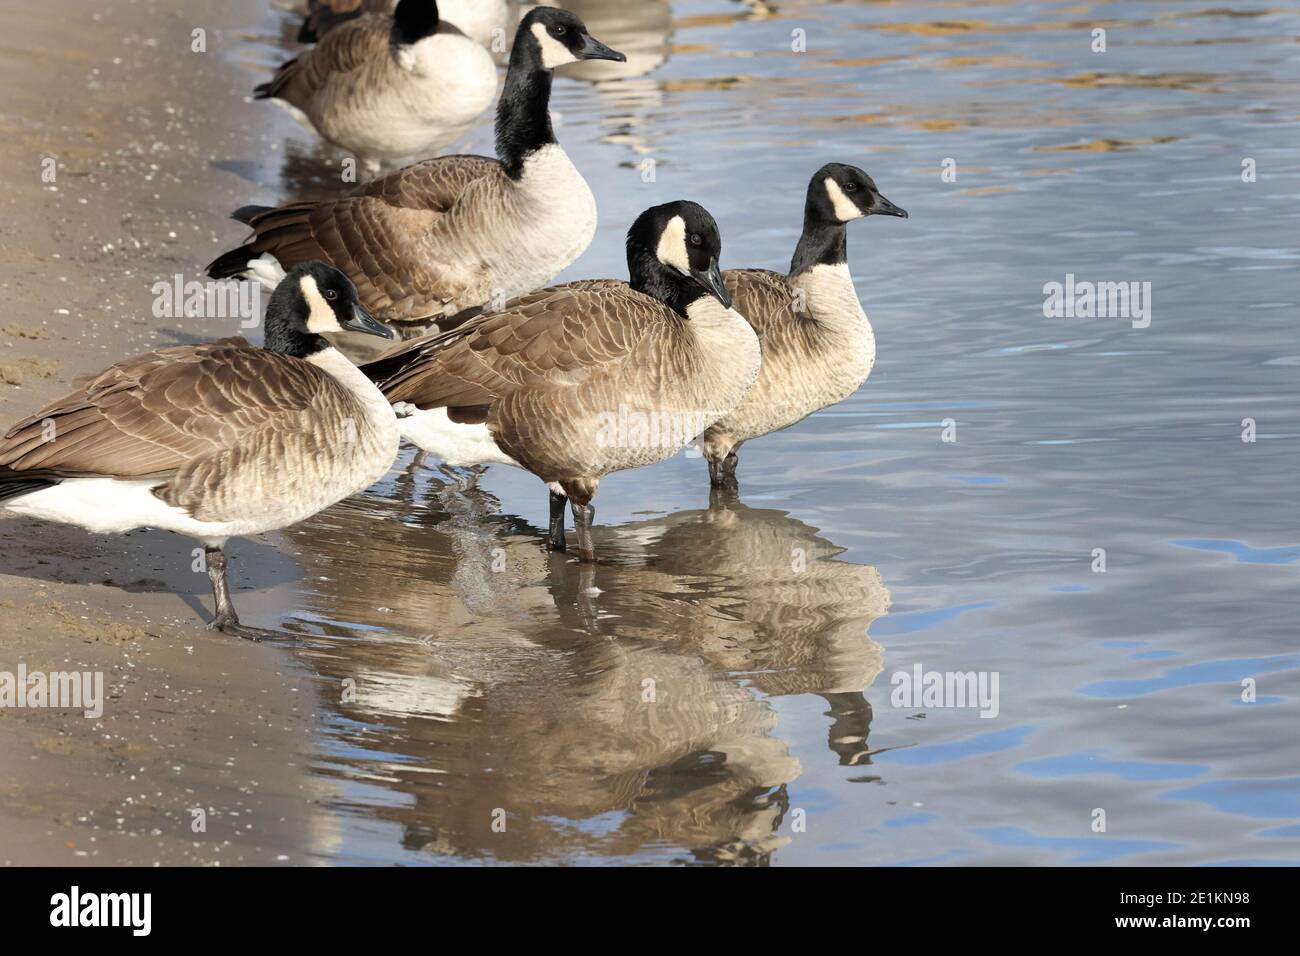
(447, 235)
(385, 86)
(587, 378)
(213, 440)
(818, 346)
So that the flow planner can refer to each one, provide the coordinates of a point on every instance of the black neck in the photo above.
(822, 244)
(413, 20)
(281, 335)
(523, 114)
(653, 278)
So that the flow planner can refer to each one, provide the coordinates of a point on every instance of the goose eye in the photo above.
(558, 29)
(331, 294)
(695, 239)
(850, 187)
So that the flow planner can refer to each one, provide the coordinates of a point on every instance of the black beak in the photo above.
(883, 207)
(712, 280)
(363, 321)
(593, 49)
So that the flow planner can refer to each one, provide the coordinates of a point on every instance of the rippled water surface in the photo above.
(718, 689)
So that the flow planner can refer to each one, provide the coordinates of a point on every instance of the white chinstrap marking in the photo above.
(554, 53)
(671, 249)
(321, 317)
(845, 209)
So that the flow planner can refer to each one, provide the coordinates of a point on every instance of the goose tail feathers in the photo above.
(246, 263)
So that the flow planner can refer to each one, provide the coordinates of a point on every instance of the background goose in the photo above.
(213, 440)
(385, 86)
(818, 346)
(580, 380)
(475, 18)
(446, 235)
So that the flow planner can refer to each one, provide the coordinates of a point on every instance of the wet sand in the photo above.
(135, 120)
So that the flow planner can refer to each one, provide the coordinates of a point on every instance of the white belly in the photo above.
(457, 444)
(423, 103)
(113, 506)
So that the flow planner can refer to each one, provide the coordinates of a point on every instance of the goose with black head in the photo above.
(584, 379)
(388, 85)
(215, 440)
(444, 236)
(818, 345)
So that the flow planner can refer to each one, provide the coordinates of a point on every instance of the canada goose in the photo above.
(583, 379)
(451, 234)
(385, 86)
(477, 19)
(213, 440)
(818, 346)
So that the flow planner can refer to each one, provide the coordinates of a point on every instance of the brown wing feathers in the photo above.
(372, 235)
(433, 184)
(149, 416)
(324, 15)
(344, 49)
(762, 297)
(557, 337)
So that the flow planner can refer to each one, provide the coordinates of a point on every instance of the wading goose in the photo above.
(583, 379)
(477, 19)
(818, 346)
(386, 86)
(446, 235)
(213, 440)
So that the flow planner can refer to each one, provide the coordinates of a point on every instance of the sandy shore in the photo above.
(145, 133)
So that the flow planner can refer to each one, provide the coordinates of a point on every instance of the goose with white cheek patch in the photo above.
(447, 235)
(477, 19)
(818, 346)
(588, 378)
(387, 86)
(214, 440)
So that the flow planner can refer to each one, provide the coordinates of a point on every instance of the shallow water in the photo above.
(718, 689)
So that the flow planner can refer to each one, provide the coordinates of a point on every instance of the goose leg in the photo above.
(722, 471)
(715, 472)
(580, 491)
(720, 450)
(729, 468)
(556, 535)
(582, 518)
(226, 620)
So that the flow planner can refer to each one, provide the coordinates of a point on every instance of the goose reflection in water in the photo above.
(620, 711)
